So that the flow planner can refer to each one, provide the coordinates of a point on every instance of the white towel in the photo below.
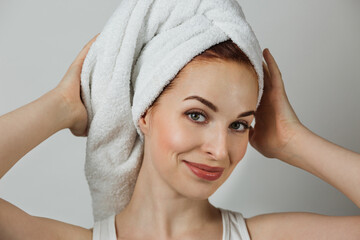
(142, 47)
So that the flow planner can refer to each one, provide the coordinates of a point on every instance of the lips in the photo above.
(206, 167)
(204, 171)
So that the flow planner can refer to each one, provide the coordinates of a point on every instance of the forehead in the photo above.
(217, 79)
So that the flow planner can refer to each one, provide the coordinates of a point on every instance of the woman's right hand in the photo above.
(69, 90)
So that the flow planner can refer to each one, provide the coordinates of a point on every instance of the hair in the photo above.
(226, 51)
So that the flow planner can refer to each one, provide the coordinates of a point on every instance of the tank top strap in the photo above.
(105, 229)
(234, 225)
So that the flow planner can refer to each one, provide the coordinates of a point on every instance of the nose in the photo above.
(216, 144)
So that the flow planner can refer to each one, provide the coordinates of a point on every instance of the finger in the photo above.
(81, 56)
(275, 74)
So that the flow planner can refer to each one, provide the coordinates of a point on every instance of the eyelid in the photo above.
(245, 123)
(197, 111)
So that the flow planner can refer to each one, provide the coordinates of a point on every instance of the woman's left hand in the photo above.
(276, 122)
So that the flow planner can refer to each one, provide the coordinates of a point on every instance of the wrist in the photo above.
(292, 152)
(74, 113)
(62, 111)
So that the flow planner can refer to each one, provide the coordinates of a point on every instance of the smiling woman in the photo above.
(196, 132)
(194, 137)
(184, 128)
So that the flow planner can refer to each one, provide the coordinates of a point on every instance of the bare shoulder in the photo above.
(17, 224)
(303, 225)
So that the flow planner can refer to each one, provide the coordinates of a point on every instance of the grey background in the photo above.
(316, 44)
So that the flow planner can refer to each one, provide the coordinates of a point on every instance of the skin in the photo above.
(277, 134)
(169, 201)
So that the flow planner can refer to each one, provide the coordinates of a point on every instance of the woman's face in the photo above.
(198, 121)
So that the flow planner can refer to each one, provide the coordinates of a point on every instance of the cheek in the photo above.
(239, 149)
(171, 138)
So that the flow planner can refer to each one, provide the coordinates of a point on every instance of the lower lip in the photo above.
(211, 176)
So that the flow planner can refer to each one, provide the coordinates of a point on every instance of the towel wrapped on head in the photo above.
(142, 47)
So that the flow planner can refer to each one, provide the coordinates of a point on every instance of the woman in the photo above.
(181, 128)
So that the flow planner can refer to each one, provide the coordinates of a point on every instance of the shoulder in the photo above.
(64, 230)
(303, 225)
(59, 230)
(17, 224)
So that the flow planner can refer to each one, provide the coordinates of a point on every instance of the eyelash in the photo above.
(245, 124)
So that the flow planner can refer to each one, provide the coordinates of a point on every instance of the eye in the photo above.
(196, 115)
(240, 126)
(199, 116)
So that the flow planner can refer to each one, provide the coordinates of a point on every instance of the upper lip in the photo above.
(206, 167)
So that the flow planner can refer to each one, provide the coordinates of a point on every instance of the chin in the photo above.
(196, 196)
(198, 191)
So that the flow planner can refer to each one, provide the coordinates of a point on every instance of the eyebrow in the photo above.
(214, 108)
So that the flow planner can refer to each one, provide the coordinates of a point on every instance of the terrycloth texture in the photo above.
(142, 47)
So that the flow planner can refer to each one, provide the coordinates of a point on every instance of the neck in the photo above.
(162, 212)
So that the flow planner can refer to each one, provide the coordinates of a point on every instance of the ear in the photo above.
(144, 123)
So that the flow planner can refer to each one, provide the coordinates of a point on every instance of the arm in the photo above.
(333, 164)
(25, 128)
(278, 133)
(16, 224)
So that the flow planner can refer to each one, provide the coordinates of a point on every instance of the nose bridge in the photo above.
(218, 143)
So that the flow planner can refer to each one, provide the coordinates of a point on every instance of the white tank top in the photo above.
(234, 227)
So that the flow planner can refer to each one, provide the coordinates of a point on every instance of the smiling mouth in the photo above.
(209, 173)
(205, 167)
